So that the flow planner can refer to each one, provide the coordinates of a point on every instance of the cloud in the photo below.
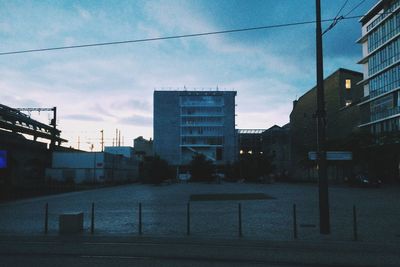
(83, 13)
(82, 117)
(132, 104)
(137, 120)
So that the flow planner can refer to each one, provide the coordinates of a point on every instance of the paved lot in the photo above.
(164, 212)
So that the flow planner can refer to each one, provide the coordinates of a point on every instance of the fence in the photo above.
(253, 219)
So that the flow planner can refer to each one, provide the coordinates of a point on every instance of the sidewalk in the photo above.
(206, 252)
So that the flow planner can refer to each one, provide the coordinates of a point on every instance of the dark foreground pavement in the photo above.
(151, 251)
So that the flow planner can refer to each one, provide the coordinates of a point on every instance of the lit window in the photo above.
(348, 84)
(250, 152)
(241, 151)
(348, 102)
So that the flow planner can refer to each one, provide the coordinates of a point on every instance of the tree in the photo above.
(254, 167)
(202, 169)
(156, 170)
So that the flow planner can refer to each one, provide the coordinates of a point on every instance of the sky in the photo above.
(111, 87)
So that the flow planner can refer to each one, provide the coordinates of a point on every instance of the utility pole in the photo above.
(102, 140)
(324, 225)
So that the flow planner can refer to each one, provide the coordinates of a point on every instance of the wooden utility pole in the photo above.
(102, 140)
(324, 224)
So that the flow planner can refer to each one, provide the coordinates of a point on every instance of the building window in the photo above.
(348, 84)
(348, 103)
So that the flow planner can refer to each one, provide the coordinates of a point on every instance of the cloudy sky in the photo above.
(111, 87)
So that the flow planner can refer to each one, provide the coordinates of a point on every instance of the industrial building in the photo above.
(380, 106)
(190, 122)
(92, 167)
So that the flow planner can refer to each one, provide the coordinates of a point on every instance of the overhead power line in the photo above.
(339, 18)
(170, 37)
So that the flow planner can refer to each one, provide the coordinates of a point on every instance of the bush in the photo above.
(202, 169)
(156, 170)
(252, 168)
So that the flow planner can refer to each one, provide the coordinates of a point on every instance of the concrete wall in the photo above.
(88, 167)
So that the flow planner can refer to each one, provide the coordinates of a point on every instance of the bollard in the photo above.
(92, 220)
(294, 222)
(240, 219)
(188, 218)
(355, 223)
(46, 218)
(140, 218)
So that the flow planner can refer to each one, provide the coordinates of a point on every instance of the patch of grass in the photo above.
(222, 197)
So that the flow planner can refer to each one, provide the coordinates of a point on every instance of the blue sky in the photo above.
(112, 87)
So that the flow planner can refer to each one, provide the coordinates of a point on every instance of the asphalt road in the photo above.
(143, 251)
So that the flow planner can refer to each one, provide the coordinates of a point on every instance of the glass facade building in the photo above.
(381, 60)
(190, 122)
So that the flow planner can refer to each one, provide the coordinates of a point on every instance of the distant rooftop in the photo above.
(250, 131)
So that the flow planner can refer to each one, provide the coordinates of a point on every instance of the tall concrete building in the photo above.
(380, 107)
(190, 122)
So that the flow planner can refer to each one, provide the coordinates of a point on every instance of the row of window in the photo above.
(215, 131)
(386, 113)
(188, 121)
(202, 140)
(386, 126)
(385, 82)
(385, 13)
(202, 100)
(385, 57)
(202, 111)
(384, 32)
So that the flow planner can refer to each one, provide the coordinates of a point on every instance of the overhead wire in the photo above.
(174, 36)
(339, 18)
(336, 19)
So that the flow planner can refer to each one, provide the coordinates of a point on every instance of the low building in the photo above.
(125, 151)
(250, 141)
(276, 143)
(143, 148)
(91, 167)
(342, 94)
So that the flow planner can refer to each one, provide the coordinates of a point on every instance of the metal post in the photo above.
(240, 219)
(46, 218)
(188, 219)
(320, 114)
(355, 223)
(140, 218)
(92, 220)
(294, 222)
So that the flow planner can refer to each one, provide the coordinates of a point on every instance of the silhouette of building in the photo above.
(250, 141)
(342, 94)
(380, 106)
(190, 122)
(276, 142)
(143, 148)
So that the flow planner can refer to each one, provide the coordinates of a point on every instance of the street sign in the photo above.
(3, 159)
(332, 155)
